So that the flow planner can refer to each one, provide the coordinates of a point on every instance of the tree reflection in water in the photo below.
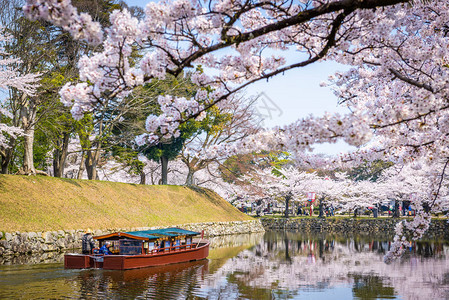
(290, 263)
(371, 287)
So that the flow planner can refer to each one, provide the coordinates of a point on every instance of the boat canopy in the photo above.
(155, 234)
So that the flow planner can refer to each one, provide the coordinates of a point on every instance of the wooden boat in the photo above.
(140, 249)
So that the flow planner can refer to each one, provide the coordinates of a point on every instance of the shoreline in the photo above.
(23, 243)
(439, 228)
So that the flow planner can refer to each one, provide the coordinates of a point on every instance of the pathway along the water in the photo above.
(274, 265)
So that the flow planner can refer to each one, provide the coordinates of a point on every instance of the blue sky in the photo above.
(137, 2)
(295, 94)
(298, 94)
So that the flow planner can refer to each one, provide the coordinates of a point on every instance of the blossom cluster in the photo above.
(10, 77)
(166, 125)
(63, 14)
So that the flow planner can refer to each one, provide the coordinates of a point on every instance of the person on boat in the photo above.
(105, 249)
(161, 246)
(87, 242)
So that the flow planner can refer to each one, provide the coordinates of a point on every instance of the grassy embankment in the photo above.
(37, 203)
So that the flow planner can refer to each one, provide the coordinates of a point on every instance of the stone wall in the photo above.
(438, 228)
(17, 243)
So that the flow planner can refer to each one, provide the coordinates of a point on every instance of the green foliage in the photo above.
(128, 157)
(237, 166)
(55, 118)
(278, 161)
(52, 52)
(240, 165)
(371, 287)
(42, 146)
(369, 170)
(84, 129)
(169, 150)
(276, 172)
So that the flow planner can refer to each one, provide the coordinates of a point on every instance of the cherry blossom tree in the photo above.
(285, 184)
(10, 77)
(395, 89)
(413, 183)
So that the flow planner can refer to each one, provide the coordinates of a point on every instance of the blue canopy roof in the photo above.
(150, 234)
(160, 233)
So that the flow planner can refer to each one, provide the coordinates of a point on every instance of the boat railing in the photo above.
(172, 249)
(176, 248)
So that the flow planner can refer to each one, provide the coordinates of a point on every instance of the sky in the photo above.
(296, 94)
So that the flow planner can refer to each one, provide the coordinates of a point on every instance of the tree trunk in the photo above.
(142, 177)
(28, 160)
(82, 166)
(7, 156)
(189, 179)
(164, 166)
(5, 164)
(287, 202)
(60, 155)
(28, 118)
(91, 163)
(321, 208)
(396, 209)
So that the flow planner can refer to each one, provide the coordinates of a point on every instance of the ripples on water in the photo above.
(274, 265)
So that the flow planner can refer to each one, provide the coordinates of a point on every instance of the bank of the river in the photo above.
(52, 242)
(18, 243)
(439, 228)
(38, 204)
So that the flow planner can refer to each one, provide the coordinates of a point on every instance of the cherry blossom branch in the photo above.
(411, 81)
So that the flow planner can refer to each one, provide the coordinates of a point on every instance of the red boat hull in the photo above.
(126, 262)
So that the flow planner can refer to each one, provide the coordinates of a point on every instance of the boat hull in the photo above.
(126, 262)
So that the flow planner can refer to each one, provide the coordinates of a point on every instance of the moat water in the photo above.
(273, 265)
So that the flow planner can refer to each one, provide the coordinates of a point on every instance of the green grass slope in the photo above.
(36, 203)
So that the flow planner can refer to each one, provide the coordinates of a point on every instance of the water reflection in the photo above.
(288, 261)
(169, 282)
(274, 265)
(41, 258)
